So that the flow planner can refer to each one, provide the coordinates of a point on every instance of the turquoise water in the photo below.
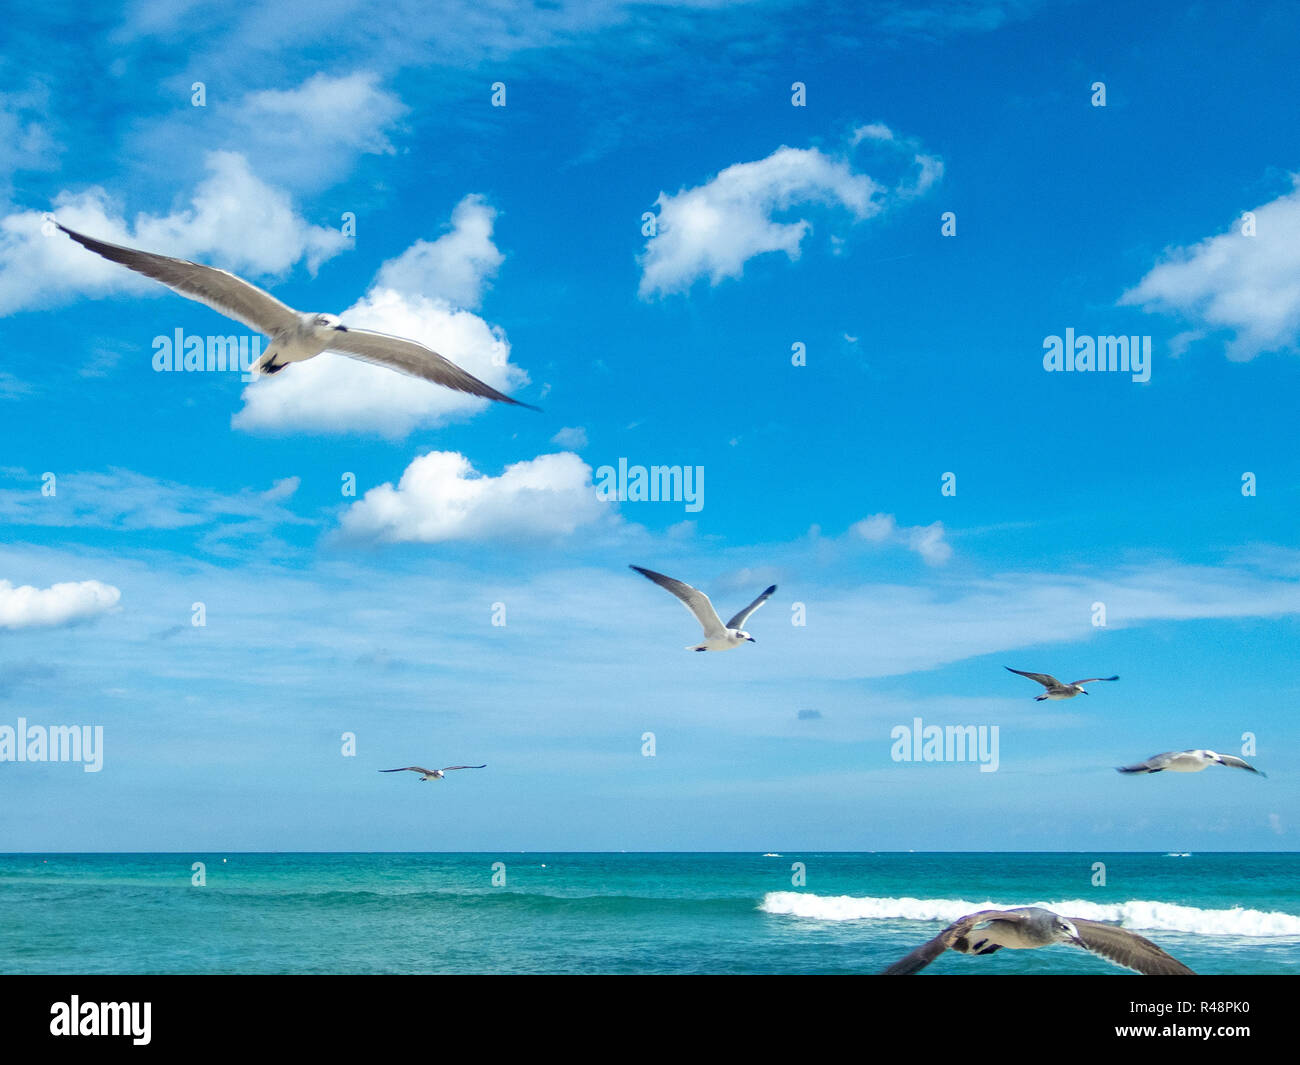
(620, 913)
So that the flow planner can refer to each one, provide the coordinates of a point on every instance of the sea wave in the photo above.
(1134, 914)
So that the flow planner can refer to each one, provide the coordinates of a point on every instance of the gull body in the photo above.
(1055, 688)
(294, 336)
(431, 774)
(717, 636)
(1192, 761)
(1030, 927)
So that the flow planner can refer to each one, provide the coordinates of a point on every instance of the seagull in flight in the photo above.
(717, 636)
(431, 774)
(294, 336)
(1028, 927)
(1187, 762)
(1055, 689)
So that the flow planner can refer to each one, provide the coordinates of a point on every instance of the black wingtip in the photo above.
(770, 590)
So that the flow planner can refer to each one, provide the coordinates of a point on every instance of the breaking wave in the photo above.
(1136, 914)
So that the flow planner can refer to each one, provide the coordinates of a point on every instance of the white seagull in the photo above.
(1055, 689)
(1187, 762)
(1029, 927)
(431, 774)
(717, 636)
(294, 336)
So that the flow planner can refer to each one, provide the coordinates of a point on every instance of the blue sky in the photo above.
(511, 239)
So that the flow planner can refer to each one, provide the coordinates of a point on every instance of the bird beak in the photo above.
(340, 329)
(752, 640)
(1084, 690)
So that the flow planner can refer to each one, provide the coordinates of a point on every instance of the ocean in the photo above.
(576, 913)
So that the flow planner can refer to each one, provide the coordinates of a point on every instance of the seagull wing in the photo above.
(927, 952)
(449, 768)
(1129, 950)
(412, 768)
(696, 601)
(1154, 764)
(738, 622)
(1045, 679)
(219, 289)
(1238, 763)
(415, 359)
(1090, 680)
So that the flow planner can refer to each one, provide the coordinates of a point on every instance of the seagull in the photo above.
(1028, 927)
(717, 636)
(1187, 762)
(431, 774)
(295, 336)
(1055, 689)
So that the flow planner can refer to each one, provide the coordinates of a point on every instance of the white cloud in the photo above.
(235, 220)
(926, 540)
(323, 123)
(713, 229)
(334, 394)
(571, 437)
(1248, 285)
(456, 266)
(441, 497)
(27, 607)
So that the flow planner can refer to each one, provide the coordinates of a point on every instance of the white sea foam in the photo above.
(1135, 914)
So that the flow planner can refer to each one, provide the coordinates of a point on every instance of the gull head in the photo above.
(1213, 756)
(741, 634)
(328, 321)
(1063, 931)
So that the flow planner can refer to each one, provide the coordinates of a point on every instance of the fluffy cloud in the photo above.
(235, 220)
(456, 267)
(713, 229)
(420, 295)
(441, 497)
(926, 540)
(1248, 285)
(26, 607)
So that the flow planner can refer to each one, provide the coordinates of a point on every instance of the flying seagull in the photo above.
(1055, 689)
(1028, 927)
(717, 636)
(431, 774)
(294, 336)
(1187, 762)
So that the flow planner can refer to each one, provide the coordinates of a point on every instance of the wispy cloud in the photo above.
(1247, 285)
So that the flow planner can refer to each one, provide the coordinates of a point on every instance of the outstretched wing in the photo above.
(927, 952)
(1045, 679)
(1129, 950)
(738, 622)
(1091, 680)
(1238, 763)
(411, 768)
(696, 601)
(415, 359)
(449, 768)
(219, 289)
(1154, 764)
